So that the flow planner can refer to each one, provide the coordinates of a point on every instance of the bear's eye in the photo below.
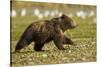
(62, 17)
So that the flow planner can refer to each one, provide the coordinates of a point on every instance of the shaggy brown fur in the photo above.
(42, 32)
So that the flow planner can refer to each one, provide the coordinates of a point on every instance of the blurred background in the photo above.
(43, 10)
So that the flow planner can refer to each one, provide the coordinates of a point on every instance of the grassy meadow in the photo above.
(84, 36)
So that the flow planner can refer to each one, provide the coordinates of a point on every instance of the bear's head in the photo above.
(66, 22)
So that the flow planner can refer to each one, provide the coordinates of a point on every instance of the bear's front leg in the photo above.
(67, 40)
(58, 40)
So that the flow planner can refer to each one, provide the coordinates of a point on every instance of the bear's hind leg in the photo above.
(21, 44)
(38, 47)
(25, 40)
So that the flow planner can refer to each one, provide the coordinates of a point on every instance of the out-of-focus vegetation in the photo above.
(51, 9)
(84, 35)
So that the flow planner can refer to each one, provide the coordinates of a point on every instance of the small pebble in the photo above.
(44, 55)
(74, 59)
(69, 51)
(64, 58)
(84, 59)
(93, 42)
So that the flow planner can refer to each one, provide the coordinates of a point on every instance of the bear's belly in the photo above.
(42, 37)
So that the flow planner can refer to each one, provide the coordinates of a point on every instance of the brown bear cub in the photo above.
(42, 32)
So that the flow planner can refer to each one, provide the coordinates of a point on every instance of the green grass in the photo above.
(84, 36)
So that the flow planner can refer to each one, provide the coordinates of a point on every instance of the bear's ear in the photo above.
(63, 16)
